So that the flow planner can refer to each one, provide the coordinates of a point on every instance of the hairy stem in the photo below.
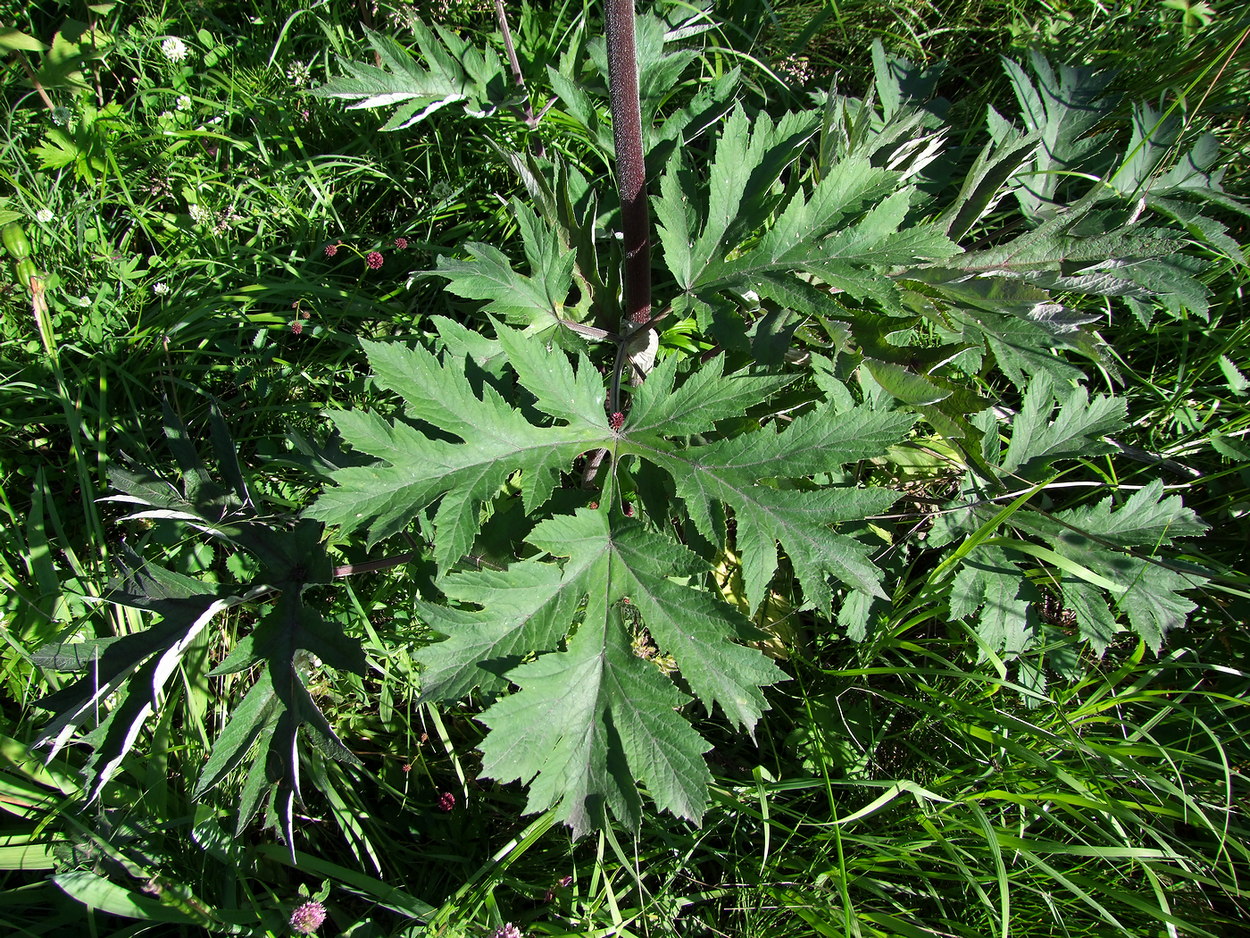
(528, 115)
(502, 16)
(370, 566)
(631, 176)
(34, 81)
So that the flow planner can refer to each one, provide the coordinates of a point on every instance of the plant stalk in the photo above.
(502, 16)
(34, 81)
(631, 174)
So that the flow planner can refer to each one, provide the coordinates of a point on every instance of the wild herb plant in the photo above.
(637, 480)
(857, 402)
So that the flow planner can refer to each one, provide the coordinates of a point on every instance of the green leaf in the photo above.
(906, 386)
(495, 441)
(457, 73)
(730, 472)
(60, 150)
(989, 585)
(139, 665)
(530, 608)
(1063, 109)
(74, 47)
(128, 675)
(13, 40)
(1097, 577)
(598, 706)
(1076, 430)
(574, 397)
(986, 182)
(536, 300)
(704, 397)
(739, 195)
(1147, 519)
(543, 623)
(1153, 600)
(96, 892)
(1089, 604)
(806, 235)
(1147, 592)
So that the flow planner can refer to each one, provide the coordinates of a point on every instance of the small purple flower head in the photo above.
(506, 931)
(374, 260)
(446, 802)
(401, 243)
(308, 918)
(297, 327)
(616, 420)
(332, 249)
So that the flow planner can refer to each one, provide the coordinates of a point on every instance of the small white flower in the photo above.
(200, 215)
(174, 48)
(44, 215)
(184, 102)
(161, 288)
(299, 74)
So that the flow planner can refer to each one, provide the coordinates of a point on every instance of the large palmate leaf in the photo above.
(850, 231)
(456, 73)
(599, 714)
(1100, 560)
(591, 717)
(125, 677)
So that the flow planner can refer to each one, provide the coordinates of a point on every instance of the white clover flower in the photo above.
(184, 102)
(44, 215)
(161, 288)
(175, 49)
(200, 215)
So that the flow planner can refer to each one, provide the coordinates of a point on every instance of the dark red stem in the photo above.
(631, 174)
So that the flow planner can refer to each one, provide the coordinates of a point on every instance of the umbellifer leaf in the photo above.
(591, 719)
(614, 624)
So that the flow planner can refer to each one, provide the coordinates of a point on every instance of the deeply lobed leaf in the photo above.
(590, 716)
